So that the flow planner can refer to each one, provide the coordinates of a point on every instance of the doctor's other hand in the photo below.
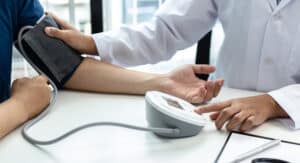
(71, 36)
(244, 113)
(32, 95)
(183, 82)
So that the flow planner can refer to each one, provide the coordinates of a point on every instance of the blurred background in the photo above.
(115, 14)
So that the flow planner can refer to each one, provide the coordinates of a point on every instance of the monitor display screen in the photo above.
(173, 103)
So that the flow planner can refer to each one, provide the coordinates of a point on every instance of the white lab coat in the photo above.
(261, 50)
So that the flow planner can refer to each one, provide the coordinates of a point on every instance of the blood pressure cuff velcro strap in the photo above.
(52, 56)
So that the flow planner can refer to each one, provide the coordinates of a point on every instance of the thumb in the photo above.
(54, 32)
(203, 69)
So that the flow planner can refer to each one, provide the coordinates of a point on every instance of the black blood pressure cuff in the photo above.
(52, 56)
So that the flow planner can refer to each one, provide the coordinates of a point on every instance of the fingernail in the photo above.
(48, 30)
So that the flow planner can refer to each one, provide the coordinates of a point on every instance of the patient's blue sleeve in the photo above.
(30, 11)
(13, 15)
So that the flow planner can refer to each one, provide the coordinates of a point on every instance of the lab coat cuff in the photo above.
(288, 103)
(103, 46)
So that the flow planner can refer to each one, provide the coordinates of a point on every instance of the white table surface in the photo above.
(111, 144)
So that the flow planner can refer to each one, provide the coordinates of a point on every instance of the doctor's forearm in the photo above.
(96, 76)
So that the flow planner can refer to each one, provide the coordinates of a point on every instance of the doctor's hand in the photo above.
(243, 113)
(183, 83)
(31, 95)
(77, 40)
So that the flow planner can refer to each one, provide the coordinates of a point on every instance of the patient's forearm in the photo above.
(96, 76)
(11, 116)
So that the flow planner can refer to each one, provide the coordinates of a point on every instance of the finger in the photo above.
(54, 32)
(248, 124)
(21, 81)
(210, 86)
(203, 69)
(199, 96)
(213, 107)
(63, 24)
(214, 116)
(237, 120)
(42, 79)
(219, 84)
(16, 81)
(226, 115)
(25, 79)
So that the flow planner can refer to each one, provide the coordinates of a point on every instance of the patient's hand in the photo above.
(77, 40)
(33, 95)
(183, 83)
(28, 98)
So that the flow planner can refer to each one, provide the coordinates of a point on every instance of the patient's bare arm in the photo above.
(96, 76)
(28, 98)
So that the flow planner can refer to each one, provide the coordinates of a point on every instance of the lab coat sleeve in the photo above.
(289, 99)
(178, 24)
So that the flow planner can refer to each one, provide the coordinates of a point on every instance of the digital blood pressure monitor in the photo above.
(166, 111)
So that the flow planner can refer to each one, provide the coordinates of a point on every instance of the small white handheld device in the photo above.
(166, 111)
